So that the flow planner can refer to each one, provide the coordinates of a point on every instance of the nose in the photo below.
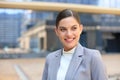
(68, 33)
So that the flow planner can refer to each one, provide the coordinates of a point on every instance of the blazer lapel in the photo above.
(75, 62)
(56, 64)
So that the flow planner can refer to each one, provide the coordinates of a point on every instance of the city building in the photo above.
(9, 29)
(101, 30)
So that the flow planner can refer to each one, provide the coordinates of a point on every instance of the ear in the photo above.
(81, 28)
(56, 31)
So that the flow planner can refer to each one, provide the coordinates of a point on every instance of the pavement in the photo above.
(16, 69)
(112, 63)
(32, 68)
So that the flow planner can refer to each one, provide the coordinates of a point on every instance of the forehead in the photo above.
(69, 21)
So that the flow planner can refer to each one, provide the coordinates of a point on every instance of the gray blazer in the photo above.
(86, 64)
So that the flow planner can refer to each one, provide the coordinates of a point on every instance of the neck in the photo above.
(69, 51)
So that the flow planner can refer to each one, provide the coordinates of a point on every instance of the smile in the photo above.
(69, 40)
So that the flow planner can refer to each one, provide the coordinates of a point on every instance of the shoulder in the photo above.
(87, 52)
(97, 66)
(95, 58)
(92, 52)
(93, 55)
(53, 54)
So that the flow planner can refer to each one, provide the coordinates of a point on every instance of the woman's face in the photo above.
(69, 31)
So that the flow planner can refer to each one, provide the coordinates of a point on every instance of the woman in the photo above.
(73, 62)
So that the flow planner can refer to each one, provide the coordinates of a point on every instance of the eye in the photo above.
(74, 28)
(62, 29)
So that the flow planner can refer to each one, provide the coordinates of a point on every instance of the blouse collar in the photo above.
(70, 51)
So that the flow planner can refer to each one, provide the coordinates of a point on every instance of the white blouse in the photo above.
(64, 64)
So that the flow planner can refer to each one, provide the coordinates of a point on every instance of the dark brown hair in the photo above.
(67, 13)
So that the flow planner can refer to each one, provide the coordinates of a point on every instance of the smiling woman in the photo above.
(68, 30)
(73, 62)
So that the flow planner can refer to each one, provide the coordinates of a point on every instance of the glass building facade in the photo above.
(98, 41)
(9, 29)
(101, 40)
(90, 19)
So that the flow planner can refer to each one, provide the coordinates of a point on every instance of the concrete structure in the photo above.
(101, 39)
(35, 32)
(46, 6)
(47, 39)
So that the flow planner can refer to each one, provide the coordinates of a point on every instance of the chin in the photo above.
(69, 47)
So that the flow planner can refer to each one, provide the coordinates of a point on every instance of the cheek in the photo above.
(61, 35)
(77, 33)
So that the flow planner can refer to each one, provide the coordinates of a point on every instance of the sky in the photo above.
(109, 3)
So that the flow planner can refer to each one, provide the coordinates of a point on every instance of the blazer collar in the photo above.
(56, 64)
(75, 62)
(78, 51)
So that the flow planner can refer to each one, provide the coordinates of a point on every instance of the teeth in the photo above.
(69, 39)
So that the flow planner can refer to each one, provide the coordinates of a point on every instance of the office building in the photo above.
(9, 29)
(106, 27)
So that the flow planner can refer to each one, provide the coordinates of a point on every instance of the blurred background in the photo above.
(27, 35)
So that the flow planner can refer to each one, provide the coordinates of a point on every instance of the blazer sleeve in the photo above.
(45, 71)
(98, 71)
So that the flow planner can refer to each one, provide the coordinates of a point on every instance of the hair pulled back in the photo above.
(67, 13)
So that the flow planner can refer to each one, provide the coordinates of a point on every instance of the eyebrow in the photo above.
(62, 27)
(74, 25)
(65, 27)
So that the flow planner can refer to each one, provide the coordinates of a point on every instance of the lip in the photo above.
(69, 40)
